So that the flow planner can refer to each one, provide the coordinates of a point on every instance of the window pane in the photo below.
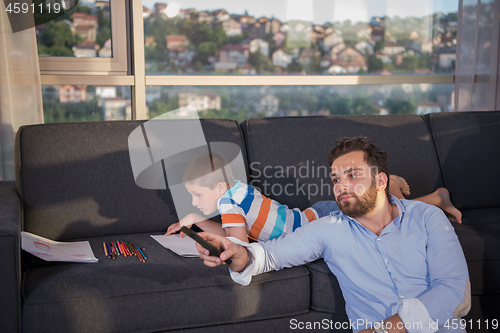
(84, 32)
(242, 102)
(69, 103)
(300, 37)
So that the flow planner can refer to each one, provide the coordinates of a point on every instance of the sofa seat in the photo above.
(483, 219)
(325, 289)
(125, 295)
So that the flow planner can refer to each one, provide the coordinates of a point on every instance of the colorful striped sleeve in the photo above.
(311, 214)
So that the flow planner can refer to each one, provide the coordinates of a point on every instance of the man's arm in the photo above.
(304, 245)
(449, 294)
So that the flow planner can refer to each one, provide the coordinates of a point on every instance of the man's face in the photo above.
(353, 184)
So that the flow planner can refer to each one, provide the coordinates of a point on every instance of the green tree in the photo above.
(374, 64)
(56, 112)
(260, 62)
(294, 66)
(57, 40)
(379, 46)
(398, 106)
(204, 50)
(410, 62)
(57, 34)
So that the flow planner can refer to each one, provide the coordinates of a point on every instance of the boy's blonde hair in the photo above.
(208, 170)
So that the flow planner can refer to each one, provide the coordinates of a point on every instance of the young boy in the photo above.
(247, 214)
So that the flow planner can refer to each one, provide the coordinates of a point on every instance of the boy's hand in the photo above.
(237, 253)
(187, 221)
(173, 228)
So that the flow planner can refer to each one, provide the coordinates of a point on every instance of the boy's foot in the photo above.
(443, 201)
(401, 184)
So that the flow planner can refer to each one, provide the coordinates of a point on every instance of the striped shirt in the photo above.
(264, 219)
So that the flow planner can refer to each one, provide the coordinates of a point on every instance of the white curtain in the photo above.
(477, 85)
(20, 89)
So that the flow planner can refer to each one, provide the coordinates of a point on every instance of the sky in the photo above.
(321, 11)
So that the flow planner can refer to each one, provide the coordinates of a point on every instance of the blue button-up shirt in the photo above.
(415, 267)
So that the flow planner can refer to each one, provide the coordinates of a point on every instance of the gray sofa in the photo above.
(74, 182)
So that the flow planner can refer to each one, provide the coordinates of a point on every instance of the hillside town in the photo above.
(220, 42)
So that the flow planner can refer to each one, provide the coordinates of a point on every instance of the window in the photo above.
(259, 56)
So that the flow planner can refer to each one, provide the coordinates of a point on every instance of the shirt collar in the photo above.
(229, 193)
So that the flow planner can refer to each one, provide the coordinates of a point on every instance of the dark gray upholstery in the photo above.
(301, 145)
(468, 145)
(166, 292)
(10, 270)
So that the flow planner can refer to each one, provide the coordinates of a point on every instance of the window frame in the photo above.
(117, 65)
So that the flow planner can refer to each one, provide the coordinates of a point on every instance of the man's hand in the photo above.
(237, 253)
(394, 324)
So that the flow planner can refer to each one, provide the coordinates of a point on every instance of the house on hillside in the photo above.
(261, 44)
(72, 94)
(281, 58)
(221, 15)
(175, 42)
(233, 53)
(306, 56)
(392, 48)
(86, 49)
(231, 27)
(203, 101)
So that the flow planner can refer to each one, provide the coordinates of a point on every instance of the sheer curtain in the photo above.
(20, 89)
(477, 85)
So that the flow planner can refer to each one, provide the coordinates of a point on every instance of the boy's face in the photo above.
(204, 198)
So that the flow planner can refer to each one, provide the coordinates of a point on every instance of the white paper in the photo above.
(185, 246)
(50, 250)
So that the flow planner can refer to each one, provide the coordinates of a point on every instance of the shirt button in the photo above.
(386, 261)
(378, 240)
(402, 297)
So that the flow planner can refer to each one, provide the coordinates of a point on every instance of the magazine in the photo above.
(50, 250)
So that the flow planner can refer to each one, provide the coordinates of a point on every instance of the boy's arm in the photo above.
(200, 221)
(237, 232)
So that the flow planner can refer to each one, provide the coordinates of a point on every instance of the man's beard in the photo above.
(362, 205)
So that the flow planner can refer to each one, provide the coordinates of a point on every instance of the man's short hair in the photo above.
(374, 156)
(208, 170)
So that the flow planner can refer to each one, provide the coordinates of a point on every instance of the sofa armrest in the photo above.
(10, 262)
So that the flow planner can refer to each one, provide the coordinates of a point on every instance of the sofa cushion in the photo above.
(294, 169)
(468, 144)
(326, 295)
(486, 220)
(167, 292)
(482, 252)
(76, 180)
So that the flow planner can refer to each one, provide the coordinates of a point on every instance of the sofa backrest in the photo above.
(468, 145)
(287, 156)
(76, 181)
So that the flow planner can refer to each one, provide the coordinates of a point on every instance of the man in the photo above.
(398, 262)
